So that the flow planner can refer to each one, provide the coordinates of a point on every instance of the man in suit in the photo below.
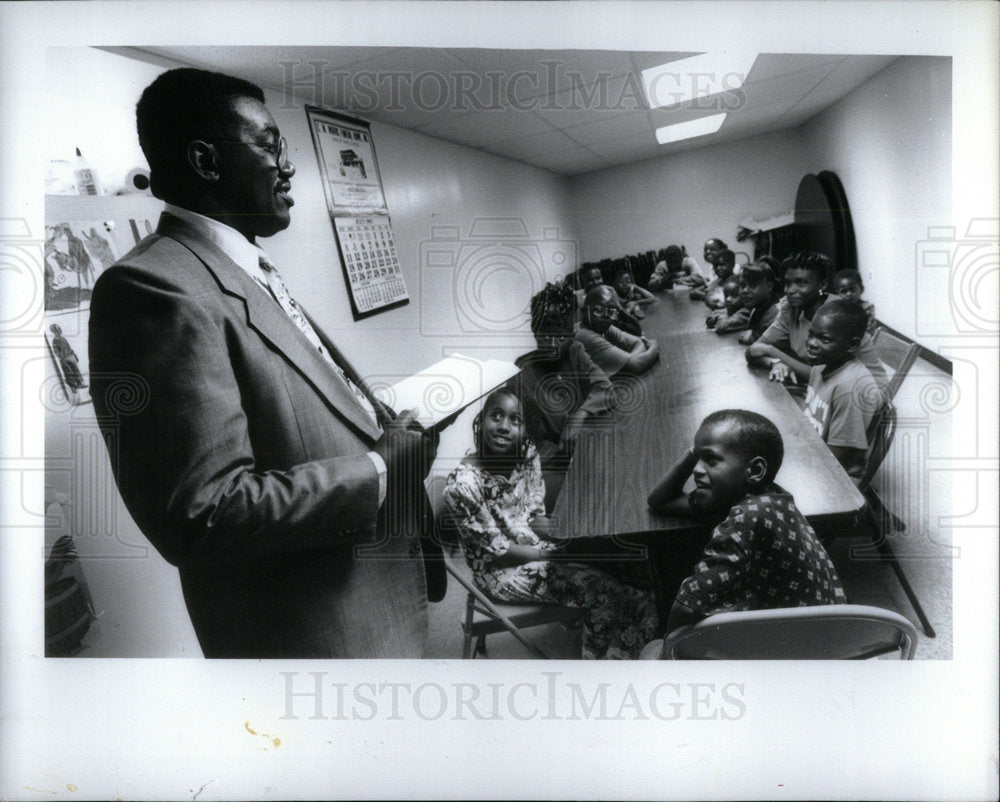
(252, 457)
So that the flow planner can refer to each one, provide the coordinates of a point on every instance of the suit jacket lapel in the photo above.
(268, 319)
(382, 410)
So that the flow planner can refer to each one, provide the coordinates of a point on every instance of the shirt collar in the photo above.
(230, 241)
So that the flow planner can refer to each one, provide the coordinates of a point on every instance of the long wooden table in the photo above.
(618, 461)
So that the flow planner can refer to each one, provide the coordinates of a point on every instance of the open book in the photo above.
(447, 387)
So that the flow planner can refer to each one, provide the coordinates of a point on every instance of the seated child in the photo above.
(848, 284)
(632, 296)
(558, 372)
(711, 250)
(732, 317)
(675, 268)
(587, 278)
(763, 553)
(724, 266)
(495, 497)
(782, 346)
(841, 396)
(758, 291)
(612, 349)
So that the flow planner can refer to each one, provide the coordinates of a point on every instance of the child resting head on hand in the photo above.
(762, 553)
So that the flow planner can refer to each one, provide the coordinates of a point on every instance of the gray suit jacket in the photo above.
(242, 457)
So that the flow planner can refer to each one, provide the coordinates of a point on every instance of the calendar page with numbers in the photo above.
(370, 264)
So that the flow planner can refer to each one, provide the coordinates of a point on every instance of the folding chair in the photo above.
(483, 616)
(824, 632)
(897, 355)
(879, 519)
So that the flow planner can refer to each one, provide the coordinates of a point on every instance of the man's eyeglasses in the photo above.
(606, 312)
(278, 151)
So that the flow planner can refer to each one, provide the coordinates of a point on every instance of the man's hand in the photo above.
(746, 338)
(780, 372)
(407, 449)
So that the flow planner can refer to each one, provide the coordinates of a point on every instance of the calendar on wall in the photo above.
(369, 258)
(356, 204)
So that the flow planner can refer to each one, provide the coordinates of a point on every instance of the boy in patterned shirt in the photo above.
(763, 553)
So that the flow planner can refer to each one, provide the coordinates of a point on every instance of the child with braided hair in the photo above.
(495, 498)
(561, 385)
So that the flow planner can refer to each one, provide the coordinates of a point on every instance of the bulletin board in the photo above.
(356, 203)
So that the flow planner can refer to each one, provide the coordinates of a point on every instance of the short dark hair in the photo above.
(816, 263)
(717, 244)
(555, 305)
(180, 106)
(757, 273)
(602, 293)
(853, 275)
(727, 257)
(849, 315)
(756, 437)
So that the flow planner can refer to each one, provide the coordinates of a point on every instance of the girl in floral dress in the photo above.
(496, 497)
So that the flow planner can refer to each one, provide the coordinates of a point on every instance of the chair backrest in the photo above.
(897, 355)
(880, 433)
(825, 632)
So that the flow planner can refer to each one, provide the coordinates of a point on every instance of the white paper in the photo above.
(447, 387)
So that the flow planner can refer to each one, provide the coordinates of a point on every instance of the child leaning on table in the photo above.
(759, 293)
(842, 395)
(632, 296)
(724, 266)
(732, 317)
(763, 553)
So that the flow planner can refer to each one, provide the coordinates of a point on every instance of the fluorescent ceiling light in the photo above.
(696, 77)
(690, 129)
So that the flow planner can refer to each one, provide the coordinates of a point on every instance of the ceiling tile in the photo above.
(571, 161)
(539, 144)
(449, 94)
(774, 65)
(486, 127)
(537, 73)
(601, 101)
(637, 122)
(272, 66)
(631, 150)
(644, 60)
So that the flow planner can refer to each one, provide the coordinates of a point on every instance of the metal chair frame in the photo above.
(823, 632)
(881, 432)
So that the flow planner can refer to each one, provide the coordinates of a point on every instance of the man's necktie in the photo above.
(287, 303)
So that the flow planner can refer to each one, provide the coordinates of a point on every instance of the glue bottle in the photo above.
(86, 178)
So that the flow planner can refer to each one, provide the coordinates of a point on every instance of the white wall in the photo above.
(429, 185)
(687, 198)
(889, 141)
